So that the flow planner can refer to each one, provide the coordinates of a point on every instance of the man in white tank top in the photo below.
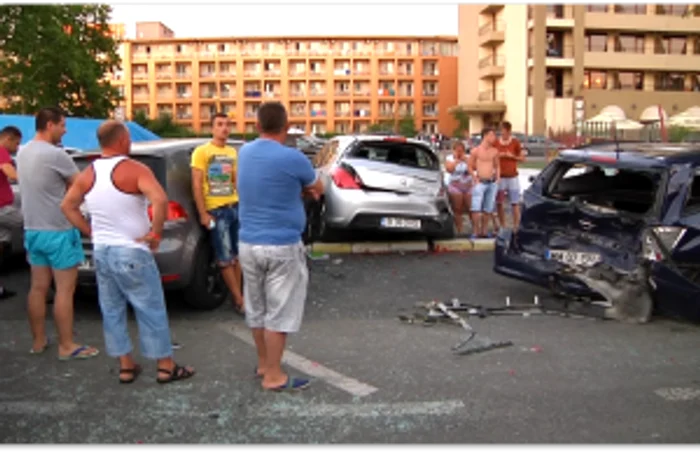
(116, 191)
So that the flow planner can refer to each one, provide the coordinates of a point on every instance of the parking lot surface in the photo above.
(375, 380)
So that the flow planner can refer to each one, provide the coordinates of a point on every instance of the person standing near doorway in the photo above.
(272, 179)
(510, 153)
(484, 165)
(10, 217)
(117, 191)
(214, 167)
(53, 245)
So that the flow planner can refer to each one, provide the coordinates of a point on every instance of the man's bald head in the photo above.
(113, 134)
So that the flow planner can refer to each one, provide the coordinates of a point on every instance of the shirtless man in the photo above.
(485, 168)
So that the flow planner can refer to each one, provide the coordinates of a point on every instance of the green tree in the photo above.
(407, 126)
(462, 118)
(164, 126)
(58, 55)
(141, 119)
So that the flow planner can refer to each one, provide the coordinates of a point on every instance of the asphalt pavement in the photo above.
(375, 380)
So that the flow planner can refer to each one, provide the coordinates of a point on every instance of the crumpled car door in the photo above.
(677, 279)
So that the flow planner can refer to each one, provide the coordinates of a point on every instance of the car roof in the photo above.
(645, 154)
(159, 147)
(345, 140)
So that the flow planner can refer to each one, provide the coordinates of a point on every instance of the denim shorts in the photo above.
(484, 197)
(224, 235)
(55, 249)
(509, 188)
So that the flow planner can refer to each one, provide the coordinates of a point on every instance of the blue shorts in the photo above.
(55, 249)
(484, 197)
(224, 236)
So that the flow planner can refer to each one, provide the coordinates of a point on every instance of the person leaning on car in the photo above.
(214, 167)
(10, 217)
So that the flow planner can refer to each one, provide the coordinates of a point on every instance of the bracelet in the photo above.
(155, 236)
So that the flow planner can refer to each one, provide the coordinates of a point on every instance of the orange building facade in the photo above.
(329, 84)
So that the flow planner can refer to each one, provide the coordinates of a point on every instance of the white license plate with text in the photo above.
(573, 258)
(394, 222)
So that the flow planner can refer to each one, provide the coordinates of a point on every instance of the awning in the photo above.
(651, 115)
(81, 133)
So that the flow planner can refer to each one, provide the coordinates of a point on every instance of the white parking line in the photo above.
(35, 408)
(363, 410)
(678, 393)
(338, 380)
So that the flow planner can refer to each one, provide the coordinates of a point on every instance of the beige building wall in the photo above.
(515, 79)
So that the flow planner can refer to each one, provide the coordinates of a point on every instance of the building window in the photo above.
(597, 80)
(597, 43)
(671, 45)
(695, 82)
(629, 44)
(629, 81)
(669, 81)
(696, 44)
(599, 8)
(555, 11)
(674, 10)
(630, 9)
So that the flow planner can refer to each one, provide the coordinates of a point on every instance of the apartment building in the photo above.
(529, 63)
(329, 84)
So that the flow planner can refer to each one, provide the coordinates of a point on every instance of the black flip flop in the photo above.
(178, 373)
(134, 372)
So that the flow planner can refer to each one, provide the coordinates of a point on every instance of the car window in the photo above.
(692, 204)
(155, 163)
(403, 154)
(326, 155)
(619, 189)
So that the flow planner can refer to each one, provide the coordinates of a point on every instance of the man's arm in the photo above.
(519, 154)
(472, 165)
(149, 186)
(6, 165)
(198, 167)
(74, 198)
(311, 183)
(497, 165)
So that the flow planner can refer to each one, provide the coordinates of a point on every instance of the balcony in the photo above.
(164, 95)
(491, 9)
(140, 75)
(141, 96)
(183, 75)
(184, 95)
(317, 93)
(184, 116)
(430, 72)
(228, 94)
(227, 74)
(297, 94)
(641, 62)
(405, 72)
(251, 73)
(161, 75)
(343, 113)
(492, 67)
(429, 93)
(298, 113)
(207, 75)
(430, 113)
(342, 93)
(207, 94)
(492, 33)
(564, 90)
(297, 73)
(273, 73)
(488, 101)
(643, 23)
(384, 113)
(271, 94)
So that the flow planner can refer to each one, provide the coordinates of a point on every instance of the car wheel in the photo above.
(207, 290)
(316, 227)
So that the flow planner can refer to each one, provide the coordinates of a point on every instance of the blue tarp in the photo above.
(81, 133)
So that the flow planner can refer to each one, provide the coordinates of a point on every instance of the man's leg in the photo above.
(285, 290)
(254, 296)
(489, 207)
(114, 312)
(514, 198)
(67, 254)
(36, 304)
(500, 201)
(223, 250)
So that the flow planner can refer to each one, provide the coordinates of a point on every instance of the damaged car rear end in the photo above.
(619, 228)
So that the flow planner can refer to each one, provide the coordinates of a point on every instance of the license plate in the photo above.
(393, 222)
(86, 265)
(573, 258)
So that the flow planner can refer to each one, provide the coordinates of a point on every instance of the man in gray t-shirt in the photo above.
(53, 245)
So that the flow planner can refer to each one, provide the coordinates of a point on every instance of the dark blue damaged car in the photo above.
(616, 226)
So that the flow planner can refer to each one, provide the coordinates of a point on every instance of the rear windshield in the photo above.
(607, 188)
(156, 164)
(403, 154)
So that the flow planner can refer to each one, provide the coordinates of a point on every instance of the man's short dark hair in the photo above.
(11, 131)
(218, 115)
(109, 132)
(48, 115)
(507, 126)
(272, 117)
(485, 131)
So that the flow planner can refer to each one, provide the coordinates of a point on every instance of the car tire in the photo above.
(207, 290)
(317, 230)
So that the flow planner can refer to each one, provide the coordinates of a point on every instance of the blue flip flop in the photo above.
(82, 352)
(292, 384)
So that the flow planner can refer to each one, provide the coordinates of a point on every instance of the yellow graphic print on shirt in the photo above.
(219, 167)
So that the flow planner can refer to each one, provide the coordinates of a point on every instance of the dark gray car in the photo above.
(185, 257)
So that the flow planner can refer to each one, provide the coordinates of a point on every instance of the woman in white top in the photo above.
(460, 183)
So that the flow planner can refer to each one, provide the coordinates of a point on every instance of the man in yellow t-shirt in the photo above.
(214, 167)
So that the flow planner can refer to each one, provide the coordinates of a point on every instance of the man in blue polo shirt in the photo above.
(271, 181)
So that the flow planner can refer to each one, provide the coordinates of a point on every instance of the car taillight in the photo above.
(669, 237)
(345, 180)
(175, 212)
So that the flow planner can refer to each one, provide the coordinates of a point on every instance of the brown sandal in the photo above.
(134, 372)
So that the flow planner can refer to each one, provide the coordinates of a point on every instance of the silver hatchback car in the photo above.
(380, 183)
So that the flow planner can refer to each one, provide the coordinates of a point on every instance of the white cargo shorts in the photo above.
(275, 280)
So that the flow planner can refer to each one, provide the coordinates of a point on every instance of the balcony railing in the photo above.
(360, 72)
(184, 116)
(342, 92)
(184, 95)
(318, 92)
(431, 73)
(564, 90)
(298, 113)
(271, 94)
(228, 94)
(183, 75)
(141, 96)
(492, 96)
(252, 73)
(164, 75)
(491, 60)
(273, 73)
(165, 112)
(560, 51)
(297, 73)
(491, 26)
(164, 95)
(298, 94)
(343, 113)
(208, 94)
(430, 113)
(405, 72)
(227, 74)
(407, 112)
(140, 75)
(430, 93)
